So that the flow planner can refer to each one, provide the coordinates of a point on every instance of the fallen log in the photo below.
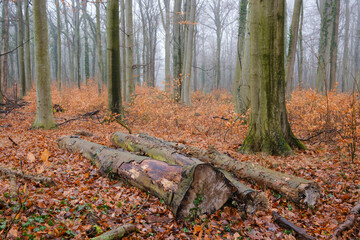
(178, 186)
(349, 222)
(301, 191)
(248, 199)
(43, 180)
(116, 233)
(300, 233)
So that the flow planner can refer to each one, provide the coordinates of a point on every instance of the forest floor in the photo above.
(81, 197)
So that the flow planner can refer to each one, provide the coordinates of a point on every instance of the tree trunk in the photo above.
(77, 50)
(86, 51)
(20, 40)
(123, 48)
(27, 60)
(301, 50)
(345, 59)
(166, 25)
(294, 30)
(69, 43)
(99, 50)
(177, 50)
(178, 186)
(5, 45)
(44, 111)
(269, 129)
(241, 101)
(249, 199)
(188, 51)
(129, 33)
(334, 43)
(301, 191)
(58, 44)
(113, 58)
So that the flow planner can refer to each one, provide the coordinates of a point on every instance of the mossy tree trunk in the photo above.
(269, 129)
(44, 112)
(113, 58)
(177, 50)
(334, 43)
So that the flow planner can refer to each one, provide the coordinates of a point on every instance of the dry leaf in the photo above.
(30, 157)
(45, 155)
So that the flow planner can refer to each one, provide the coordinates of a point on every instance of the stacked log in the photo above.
(301, 191)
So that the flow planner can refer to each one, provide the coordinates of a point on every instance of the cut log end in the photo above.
(209, 191)
(310, 194)
(256, 201)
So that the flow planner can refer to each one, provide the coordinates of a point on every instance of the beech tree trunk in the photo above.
(27, 60)
(178, 186)
(249, 199)
(20, 40)
(129, 48)
(5, 45)
(99, 50)
(301, 191)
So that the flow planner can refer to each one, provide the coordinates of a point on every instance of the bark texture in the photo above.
(178, 186)
(301, 191)
(44, 111)
(249, 199)
(116, 233)
(349, 222)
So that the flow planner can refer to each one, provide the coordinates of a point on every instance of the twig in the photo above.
(124, 125)
(300, 232)
(12, 50)
(13, 142)
(349, 222)
(43, 180)
(89, 114)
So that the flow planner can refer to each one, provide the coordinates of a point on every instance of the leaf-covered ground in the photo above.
(82, 197)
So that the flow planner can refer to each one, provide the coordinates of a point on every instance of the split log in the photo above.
(349, 222)
(116, 233)
(299, 190)
(300, 233)
(43, 180)
(248, 199)
(177, 186)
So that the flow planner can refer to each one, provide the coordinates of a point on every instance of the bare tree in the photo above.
(130, 81)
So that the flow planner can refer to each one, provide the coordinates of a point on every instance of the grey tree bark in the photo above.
(123, 48)
(294, 30)
(99, 50)
(345, 59)
(77, 50)
(113, 58)
(334, 43)
(166, 25)
(188, 52)
(44, 112)
(5, 45)
(20, 40)
(86, 39)
(59, 70)
(177, 50)
(69, 43)
(27, 59)
(129, 33)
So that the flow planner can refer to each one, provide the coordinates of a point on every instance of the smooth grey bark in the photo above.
(269, 130)
(177, 50)
(99, 56)
(294, 30)
(301, 50)
(20, 40)
(123, 48)
(334, 43)
(345, 59)
(86, 39)
(241, 98)
(58, 23)
(44, 112)
(166, 25)
(27, 60)
(188, 52)
(5, 45)
(129, 33)
(77, 50)
(113, 58)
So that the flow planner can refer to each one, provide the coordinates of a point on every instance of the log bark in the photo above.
(301, 191)
(116, 233)
(247, 198)
(349, 222)
(177, 186)
(43, 180)
(300, 233)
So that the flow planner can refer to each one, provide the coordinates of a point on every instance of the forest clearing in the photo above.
(81, 196)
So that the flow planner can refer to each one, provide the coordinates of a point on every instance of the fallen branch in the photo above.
(349, 222)
(88, 114)
(116, 233)
(43, 180)
(300, 233)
